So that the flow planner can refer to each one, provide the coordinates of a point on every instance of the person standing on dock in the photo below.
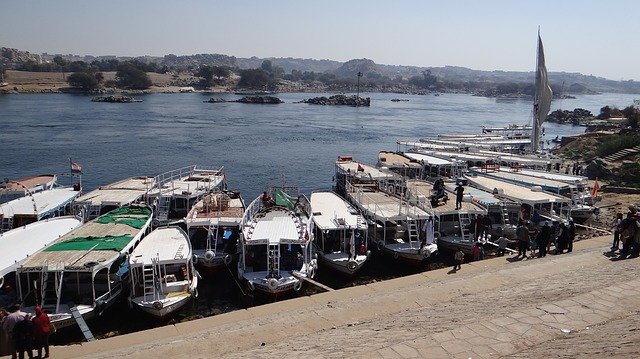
(459, 193)
(616, 233)
(459, 258)
(523, 239)
(544, 237)
(571, 235)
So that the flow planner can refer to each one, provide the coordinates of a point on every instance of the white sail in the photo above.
(542, 97)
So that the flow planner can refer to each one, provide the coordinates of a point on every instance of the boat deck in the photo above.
(167, 244)
(218, 209)
(367, 170)
(40, 203)
(386, 207)
(424, 188)
(523, 179)
(429, 160)
(191, 185)
(33, 183)
(392, 159)
(59, 259)
(22, 242)
(331, 212)
(273, 226)
(119, 193)
(516, 193)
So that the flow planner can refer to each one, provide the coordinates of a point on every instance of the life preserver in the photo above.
(380, 245)
(155, 223)
(157, 305)
(395, 255)
(352, 265)
(297, 285)
(425, 251)
(195, 259)
(227, 259)
(251, 286)
(272, 283)
(209, 255)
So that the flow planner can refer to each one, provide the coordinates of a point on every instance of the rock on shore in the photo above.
(340, 100)
(115, 99)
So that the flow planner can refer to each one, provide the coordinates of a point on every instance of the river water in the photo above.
(258, 145)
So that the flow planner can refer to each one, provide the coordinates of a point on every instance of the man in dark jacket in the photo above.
(543, 239)
(23, 336)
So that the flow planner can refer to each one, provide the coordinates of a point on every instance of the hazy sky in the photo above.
(592, 37)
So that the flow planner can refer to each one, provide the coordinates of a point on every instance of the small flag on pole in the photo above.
(75, 167)
(595, 188)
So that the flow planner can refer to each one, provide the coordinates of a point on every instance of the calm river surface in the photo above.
(258, 145)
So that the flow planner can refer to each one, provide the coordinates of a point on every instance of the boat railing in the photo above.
(166, 177)
(250, 212)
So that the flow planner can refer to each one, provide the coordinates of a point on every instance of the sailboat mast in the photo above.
(542, 97)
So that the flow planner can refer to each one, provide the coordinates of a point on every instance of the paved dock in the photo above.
(571, 305)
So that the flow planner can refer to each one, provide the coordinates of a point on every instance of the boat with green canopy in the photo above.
(85, 271)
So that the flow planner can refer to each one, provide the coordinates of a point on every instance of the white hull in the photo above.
(407, 251)
(339, 262)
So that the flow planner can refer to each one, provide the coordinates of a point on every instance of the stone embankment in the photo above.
(578, 304)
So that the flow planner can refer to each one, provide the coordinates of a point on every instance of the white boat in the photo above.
(21, 187)
(22, 242)
(453, 227)
(502, 211)
(176, 191)
(213, 225)
(112, 196)
(163, 277)
(277, 243)
(340, 233)
(86, 270)
(549, 206)
(577, 210)
(379, 196)
(47, 203)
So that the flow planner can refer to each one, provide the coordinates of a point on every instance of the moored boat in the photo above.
(163, 277)
(340, 234)
(107, 198)
(24, 186)
(380, 196)
(86, 270)
(47, 203)
(176, 191)
(276, 242)
(453, 226)
(213, 225)
(20, 243)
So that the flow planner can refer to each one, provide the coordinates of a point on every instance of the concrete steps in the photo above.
(622, 154)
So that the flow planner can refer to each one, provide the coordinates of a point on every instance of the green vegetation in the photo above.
(254, 78)
(611, 144)
(132, 75)
(85, 80)
(212, 75)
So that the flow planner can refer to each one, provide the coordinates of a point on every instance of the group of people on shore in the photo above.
(21, 333)
(539, 237)
(626, 231)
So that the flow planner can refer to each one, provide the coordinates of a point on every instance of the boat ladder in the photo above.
(412, 227)
(51, 289)
(212, 238)
(163, 208)
(149, 276)
(81, 324)
(465, 225)
(273, 258)
(505, 214)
